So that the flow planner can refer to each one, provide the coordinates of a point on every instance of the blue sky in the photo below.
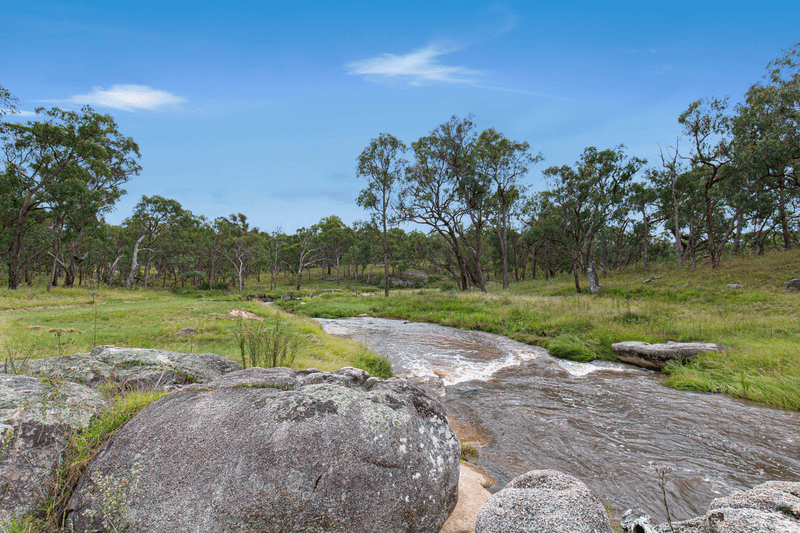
(262, 108)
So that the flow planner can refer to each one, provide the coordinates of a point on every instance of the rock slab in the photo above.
(658, 356)
(773, 506)
(134, 368)
(543, 500)
(275, 450)
(36, 419)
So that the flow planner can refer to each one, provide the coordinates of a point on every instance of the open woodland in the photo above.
(459, 205)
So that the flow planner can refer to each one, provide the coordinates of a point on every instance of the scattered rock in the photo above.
(735, 286)
(793, 285)
(133, 368)
(275, 450)
(635, 521)
(657, 356)
(258, 297)
(188, 330)
(432, 385)
(543, 500)
(241, 313)
(363, 315)
(472, 495)
(771, 506)
(396, 282)
(36, 419)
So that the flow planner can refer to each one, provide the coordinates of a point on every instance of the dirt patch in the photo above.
(241, 313)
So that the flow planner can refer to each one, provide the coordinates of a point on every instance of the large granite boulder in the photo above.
(133, 368)
(543, 500)
(275, 450)
(36, 419)
(771, 506)
(657, 356)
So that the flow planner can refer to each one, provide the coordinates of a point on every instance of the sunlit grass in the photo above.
(48, 328)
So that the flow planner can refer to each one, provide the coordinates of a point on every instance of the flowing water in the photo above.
(608, 424)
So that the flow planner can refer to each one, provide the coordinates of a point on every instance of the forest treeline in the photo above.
(729, 184)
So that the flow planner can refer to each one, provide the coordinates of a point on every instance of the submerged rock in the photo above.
(275, 450)
(771, 506)
(133, 368)
(36, 420)
(657, 356)
(543, 500)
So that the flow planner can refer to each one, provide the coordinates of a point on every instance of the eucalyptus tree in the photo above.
(504, 163)
(235, 243)
(588, 195)
(642, 198)
(335, 238)
(381, 163)
(708, 126)
(305, 246)
(152, 218)
(84, 146)
(766, 130)
(7, 102)
(442, 190)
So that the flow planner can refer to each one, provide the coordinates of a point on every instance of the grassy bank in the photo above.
(760, 322)
(35, 323)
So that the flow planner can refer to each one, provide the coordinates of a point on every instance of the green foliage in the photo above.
(376, 365)
(260, 345)
(469, 452)
(572, 347)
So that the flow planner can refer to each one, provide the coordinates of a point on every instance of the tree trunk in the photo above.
(134, 262)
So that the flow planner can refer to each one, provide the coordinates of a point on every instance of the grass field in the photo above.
(760, 322)
(34, 324)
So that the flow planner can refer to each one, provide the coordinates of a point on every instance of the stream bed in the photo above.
(608, 424)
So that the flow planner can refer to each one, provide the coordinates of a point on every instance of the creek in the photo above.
(608, 424)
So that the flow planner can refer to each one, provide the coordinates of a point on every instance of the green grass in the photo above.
(761, 323)
(68, 322)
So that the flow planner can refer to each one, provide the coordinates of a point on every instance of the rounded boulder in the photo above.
(275, 450)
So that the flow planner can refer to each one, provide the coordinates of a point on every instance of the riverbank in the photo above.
(759, 320)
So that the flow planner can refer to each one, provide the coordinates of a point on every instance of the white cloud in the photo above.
(419, 67)
(127, 98)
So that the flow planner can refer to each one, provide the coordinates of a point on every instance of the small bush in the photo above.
(377, 366)
(469, 452)
(572, 347)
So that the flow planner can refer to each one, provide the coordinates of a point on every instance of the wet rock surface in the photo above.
(771, 506)
(275, 450)
(658, 356)
(133, 368)
(543, 500)
(36, 419)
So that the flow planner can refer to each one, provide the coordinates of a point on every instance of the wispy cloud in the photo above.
(126, 98)
(420, 67)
